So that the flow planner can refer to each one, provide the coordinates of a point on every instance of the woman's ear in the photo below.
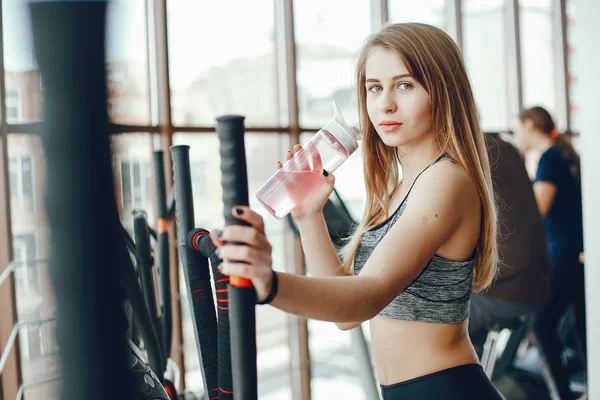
(528, 125)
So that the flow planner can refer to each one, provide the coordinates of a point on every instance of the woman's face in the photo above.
(523, 135)
(398, 106)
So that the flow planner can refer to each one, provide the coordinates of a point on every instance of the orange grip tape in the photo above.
(240, 282)
(162, 225)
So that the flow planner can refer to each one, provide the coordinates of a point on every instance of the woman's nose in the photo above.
(387, 104)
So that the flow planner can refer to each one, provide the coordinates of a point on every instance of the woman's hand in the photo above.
(250, 256)
(314, 203)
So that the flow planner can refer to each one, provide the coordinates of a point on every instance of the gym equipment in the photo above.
(242, 297)
(196, 273)
(199, 240)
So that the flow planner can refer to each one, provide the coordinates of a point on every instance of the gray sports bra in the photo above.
(440, 293)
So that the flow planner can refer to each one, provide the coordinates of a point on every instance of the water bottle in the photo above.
(300, 176)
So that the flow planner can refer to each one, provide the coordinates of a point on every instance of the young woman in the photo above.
(424, 242)
(557, 189)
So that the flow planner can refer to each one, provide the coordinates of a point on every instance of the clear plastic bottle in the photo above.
(300, 176)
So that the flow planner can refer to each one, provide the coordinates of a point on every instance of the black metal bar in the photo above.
(196, 272)
(199, 240)
(166, 319)
(145, 265)
(242, 297)
(128, 278)
(69, 41)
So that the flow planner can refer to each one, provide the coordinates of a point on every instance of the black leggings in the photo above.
(465, 382)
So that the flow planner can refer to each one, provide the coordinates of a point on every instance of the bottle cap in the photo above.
(337, 127)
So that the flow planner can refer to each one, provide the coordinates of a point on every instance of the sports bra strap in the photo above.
(440, 158)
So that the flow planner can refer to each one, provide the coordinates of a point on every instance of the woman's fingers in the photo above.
(246, 271)
(215, 236)
(244, 213)
(244, 254)
(245, 235)
(315, 156)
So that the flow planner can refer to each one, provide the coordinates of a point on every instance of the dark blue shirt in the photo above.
(563, 223)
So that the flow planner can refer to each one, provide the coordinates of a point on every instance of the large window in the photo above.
(223, 65)
(127, 62)
(328, 35)
(485, 55)
(538, 34)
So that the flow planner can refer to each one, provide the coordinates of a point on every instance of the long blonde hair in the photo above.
(434, 60)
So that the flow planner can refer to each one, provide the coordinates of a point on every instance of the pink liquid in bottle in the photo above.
(302, 175)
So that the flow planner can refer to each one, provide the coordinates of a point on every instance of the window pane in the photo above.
(126, 183)
(23, 92)
(484, 52)
(262, 153)
(572, 66)
(325, 48)
(127, 63)
(432, 12)
(13, 170)
(234, 74)
(538, 34)
(132, 162)
(31, 246)
(137, 183)
(27, 182)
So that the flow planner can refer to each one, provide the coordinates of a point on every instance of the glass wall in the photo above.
(223, 66)
(230, 58)
(538, 36)
(484, 49)
(328, 35)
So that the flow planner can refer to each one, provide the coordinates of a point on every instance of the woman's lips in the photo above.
(389, 126)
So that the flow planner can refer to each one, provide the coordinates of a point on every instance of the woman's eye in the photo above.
(405, 86)
(374, 88)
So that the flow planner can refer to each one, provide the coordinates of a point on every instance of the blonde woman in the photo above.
(424, 243)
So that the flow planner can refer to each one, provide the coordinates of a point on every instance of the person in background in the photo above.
(557, 189)
(522, 283)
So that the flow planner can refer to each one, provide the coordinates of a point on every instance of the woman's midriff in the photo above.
(405, 350)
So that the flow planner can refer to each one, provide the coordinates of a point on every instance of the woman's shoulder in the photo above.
(445, 180)
(447, 173)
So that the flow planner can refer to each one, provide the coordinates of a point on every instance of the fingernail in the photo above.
(325, 173)
(218, 252)
(238, 211)
(219, 233)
